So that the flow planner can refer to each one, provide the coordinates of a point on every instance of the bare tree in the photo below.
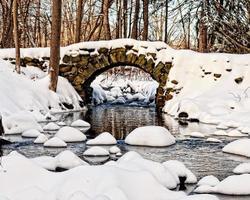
(78, 21)
(134, 33)
(145, 20)
(16, 35)
(55, 44)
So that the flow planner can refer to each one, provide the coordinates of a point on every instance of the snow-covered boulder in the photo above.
(104, 138)
(220, 133)
(243, 168)
(114, 150)
(236, 133)
(150, 136)
(209, 180)
(180, 170)
(41, 139)
(238, 147)
(46, 162)
(67, 160)
(55, 142)
(196, 134)
(32, 133)
(61, 124)
(213, 140)
(96, 151)
(70, 134)
(51, 127)
(80, 123)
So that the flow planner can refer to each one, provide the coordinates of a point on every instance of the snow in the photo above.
(243, 168)
(236, 133)
(195, 134)
(51, 127)
(180, 170)
(19, 122)
(104, 138)
(114, 150)
(131, 177)
(238, 147)
(150, 136)
(80, 123)
(41, 139)
(96, 151)
(68, 160)
(220, 133)
(209, 180)
(61, 123)
(32, 133)
(55, 142)
(214, 140)
(69, 134)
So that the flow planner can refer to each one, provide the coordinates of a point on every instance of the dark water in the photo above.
(202, 157)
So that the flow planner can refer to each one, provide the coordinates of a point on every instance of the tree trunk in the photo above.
(125, 19)
(145, 20)
(55, 44)
(134, 33)
(78, 21)
(106, 26)
(166, 22)
(202, 30)
(16, 35)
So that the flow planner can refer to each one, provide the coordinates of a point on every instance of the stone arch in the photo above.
(82, 66)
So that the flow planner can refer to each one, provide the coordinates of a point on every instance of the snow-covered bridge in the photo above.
(81, 63)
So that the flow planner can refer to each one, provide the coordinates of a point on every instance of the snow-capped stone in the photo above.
(61, 124)
(209, 180)
(67, 160)
(180, 170)
(32, 133)
(96, 151)
(51, 127)
(235, 133)
(80, 123)
(46, 162)
(104, 138)
(196, 134)
(150, 136)
(41, 139)
(238, 147)
(215, 140)
(222, 126)
(243, 168)
(70, 134)
(245, 130)
(220, 133)
(118, 154)
(55, 142)
(200, 197)
(114, 150)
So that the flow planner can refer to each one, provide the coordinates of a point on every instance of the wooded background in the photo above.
(204, 25)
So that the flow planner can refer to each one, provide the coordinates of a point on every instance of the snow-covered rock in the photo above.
(41, 139)
(70, 134)
(220, 133)
(104, 138)
(238, 147)
(180, 170)
(51, 127)
(195, 134)
(67, 160)
(61, 124)
(80, 123)
(46, 162)
(150, 136)
(243, 168)
(32, 133)
(114, 150)
(96, 151)
(214, 140)
(236, 133)
(55, 142)
(209, 180)
(201, 197)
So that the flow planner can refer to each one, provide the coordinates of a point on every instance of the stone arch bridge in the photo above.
(82, 63)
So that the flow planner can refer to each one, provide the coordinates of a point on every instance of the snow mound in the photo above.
(236, 133)
(238, 147)
(200, 197)
(104, 138)
(220, 133)
(209, 180)
(61, 123)
(68, 160)
(114, 150)
(19, 122)
(96, 151)
(51, 127)
(69, 134)
(180, 170)
(214, 140)
(150, 136)
(243, 168)
(41, 139)
(80, 123)
(32, 133)
(46, 162)
(55, 142)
